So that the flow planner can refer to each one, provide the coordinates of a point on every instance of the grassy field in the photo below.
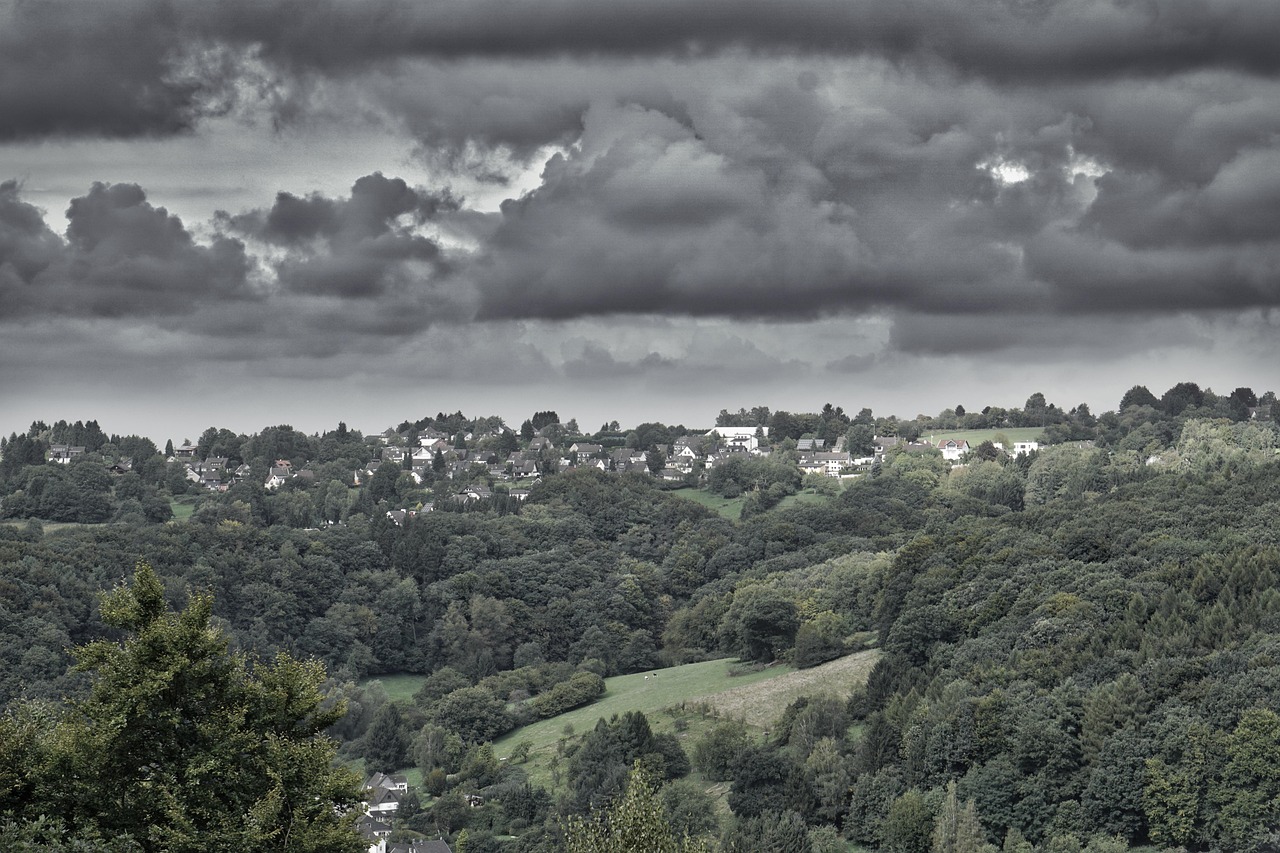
(400, 687)
(687, 701)
(182, 508)
(977, 436)
(731, 508)
(760, 704)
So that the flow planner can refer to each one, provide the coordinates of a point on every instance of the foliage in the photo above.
(719, 749)
(581, 689)
(180, 743)
(780, 831)
(635, 823)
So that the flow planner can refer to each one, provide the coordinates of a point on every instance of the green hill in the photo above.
(695, 695)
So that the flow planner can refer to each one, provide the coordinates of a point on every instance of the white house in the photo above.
(829, 464)
(63, 454)
(743, 438)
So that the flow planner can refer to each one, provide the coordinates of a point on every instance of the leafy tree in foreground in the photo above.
(181, 744)
(777, 832)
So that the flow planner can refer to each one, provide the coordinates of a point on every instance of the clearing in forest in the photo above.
(757, 696)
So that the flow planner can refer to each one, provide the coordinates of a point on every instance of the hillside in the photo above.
(696, 694)
(1052, 630)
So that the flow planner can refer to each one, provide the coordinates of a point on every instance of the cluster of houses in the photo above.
(432, 454)
(383, 794)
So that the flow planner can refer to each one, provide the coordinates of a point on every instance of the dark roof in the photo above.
(436, 846)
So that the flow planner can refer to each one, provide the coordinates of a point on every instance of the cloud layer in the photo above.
(967, 179)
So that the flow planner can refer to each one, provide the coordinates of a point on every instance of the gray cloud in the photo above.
(330, 275)
(361, 246)
(597, 362)
(122, 69)
(27, 245)
(122, 257)
(972, 173)
(998, 38)
(141, 67)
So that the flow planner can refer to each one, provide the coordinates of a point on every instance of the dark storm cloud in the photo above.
(1089, 274)
(122, 257)
(1002, 39)
(371, 211)
(648, 215)
(140, 67)
(356, 247)
(27, 245)
(119, 69)
(128, 258)
(343, 274)
(1238, 205)
(1001, 163)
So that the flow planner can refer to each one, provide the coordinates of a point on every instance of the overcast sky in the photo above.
(249, 212)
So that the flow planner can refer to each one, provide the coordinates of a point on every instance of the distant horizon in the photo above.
(312, 424)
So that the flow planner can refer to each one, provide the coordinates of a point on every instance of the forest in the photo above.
(1077, 646)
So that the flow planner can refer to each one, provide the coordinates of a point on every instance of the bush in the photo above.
(582, 689)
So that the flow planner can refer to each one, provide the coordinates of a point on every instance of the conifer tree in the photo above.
(181, 744)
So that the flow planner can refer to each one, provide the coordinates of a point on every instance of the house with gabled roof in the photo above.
(388, 781)
(478, 492)
(525, 470)
(882, 443)
(686, 447)
(917, 447)
(64, 454)
(952, 449)
(383, 793)
(277, 478)
(828, 464)
(382, 803)
(362, 475)
(429, 436)
(374, 831)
